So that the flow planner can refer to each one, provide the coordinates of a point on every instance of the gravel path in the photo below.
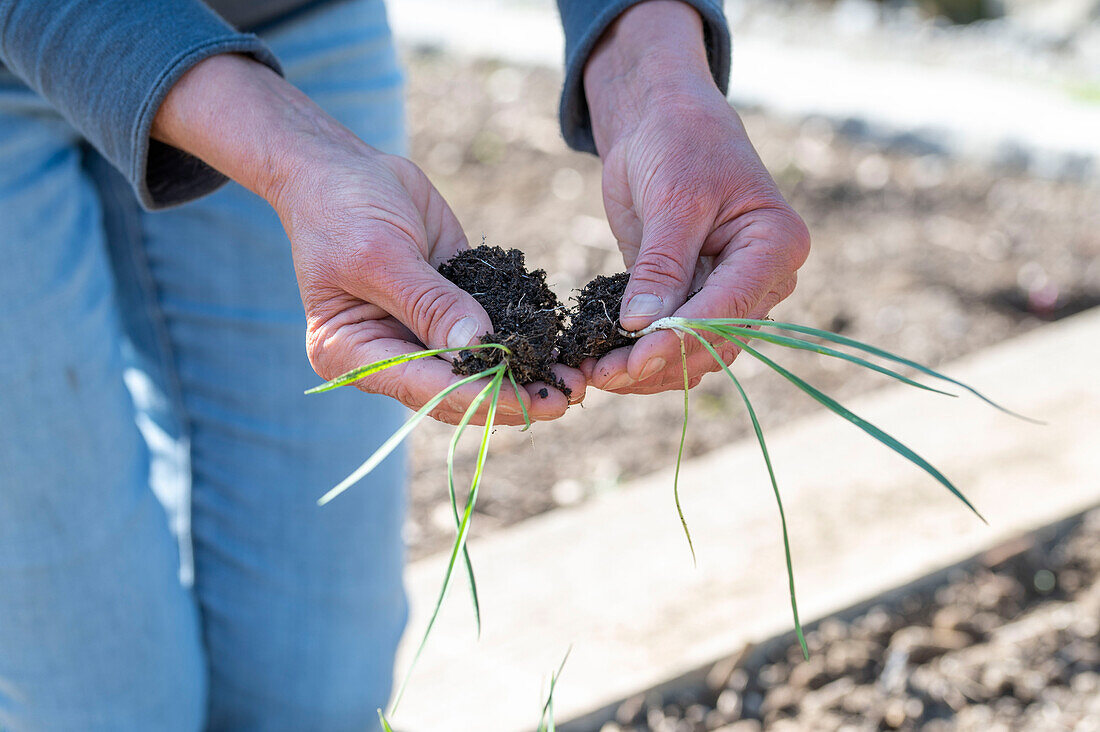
(916, 253)
(1011, 642)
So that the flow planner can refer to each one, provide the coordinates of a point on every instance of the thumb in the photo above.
(437, 311)
(661, 276)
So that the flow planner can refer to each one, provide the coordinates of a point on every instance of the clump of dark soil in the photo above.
(594, 323)
(528, 318)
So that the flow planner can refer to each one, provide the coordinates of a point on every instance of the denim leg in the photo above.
(302, 606)
(96, 632)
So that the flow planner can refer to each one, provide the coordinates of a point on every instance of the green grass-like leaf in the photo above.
(874, 431)
(396, 438)
(775, 489)
(728, 332)
(866, 348)
(459, 429)
(385, 723)
(522, 406)
(546, 719)
(680, 454)
(464, 525)
(374, 368)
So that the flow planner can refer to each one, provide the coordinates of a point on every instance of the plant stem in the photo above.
(680, 453)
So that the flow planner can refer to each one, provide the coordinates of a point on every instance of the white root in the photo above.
(669, 323)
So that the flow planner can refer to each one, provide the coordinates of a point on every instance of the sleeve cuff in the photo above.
(165, 176)
(576, 124)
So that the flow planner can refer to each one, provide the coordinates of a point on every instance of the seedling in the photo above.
(531, 330)
(546, 719)
(491, 392)
(739, 331)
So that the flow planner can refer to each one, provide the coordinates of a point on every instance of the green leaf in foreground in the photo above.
(775, 489)
(886, 439)
(396, 438)
(867, 348)
(519, 398)
(680, 453)
(459, 429)
(733, 331)
(385, 724)
(374, 368)
(464, 526)
(546, 719)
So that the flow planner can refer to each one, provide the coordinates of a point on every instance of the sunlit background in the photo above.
(945, 155)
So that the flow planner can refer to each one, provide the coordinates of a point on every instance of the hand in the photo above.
(688, 200)
(367, 231)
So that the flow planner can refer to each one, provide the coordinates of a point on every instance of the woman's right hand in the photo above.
(367, 232)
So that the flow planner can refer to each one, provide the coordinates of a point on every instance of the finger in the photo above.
(340, 345)
(765, 250)
(677, 385)
(550, 402)
(443, 232)
(391, 274)
(672, 237)
(759, 261)
(547, 401)
(587, 368)
(609, 368)
(672, 377)
(773, 298)
(453, 417)
(573, 379)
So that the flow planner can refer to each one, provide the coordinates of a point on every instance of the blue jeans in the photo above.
(151, 376)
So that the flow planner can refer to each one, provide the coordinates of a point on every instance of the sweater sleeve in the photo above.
(106, 66)
(584, 21)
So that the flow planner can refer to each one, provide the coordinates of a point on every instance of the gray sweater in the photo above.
(106, 65)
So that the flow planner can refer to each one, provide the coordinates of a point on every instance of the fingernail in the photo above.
(462, 332)
(643, 305)
(618, 382)
(652, 366)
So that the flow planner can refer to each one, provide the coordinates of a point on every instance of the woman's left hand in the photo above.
(688, 199)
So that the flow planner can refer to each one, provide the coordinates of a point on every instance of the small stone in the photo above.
(695, 713)
(729, 704)
(894, 716)
(922, 644)
(567, 492)
(714, 720)
(744, 725)
(809, 675)
(630, 710)
(738, 680)
(443, 517)
(780, 699)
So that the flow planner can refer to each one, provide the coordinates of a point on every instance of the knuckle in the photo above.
(440, 414)
(663, 266)
(800, 241)
(315, 352)
(683, 197)
(739, 302)
(428, 309)
(402, 392)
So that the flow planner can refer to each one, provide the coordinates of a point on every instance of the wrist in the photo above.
(247, 122)
(652, 57)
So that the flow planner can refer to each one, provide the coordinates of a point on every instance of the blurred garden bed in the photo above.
(1009, 640)
(927, 256)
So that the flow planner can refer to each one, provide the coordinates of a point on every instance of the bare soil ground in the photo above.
(926, 256)
(1009, 642)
